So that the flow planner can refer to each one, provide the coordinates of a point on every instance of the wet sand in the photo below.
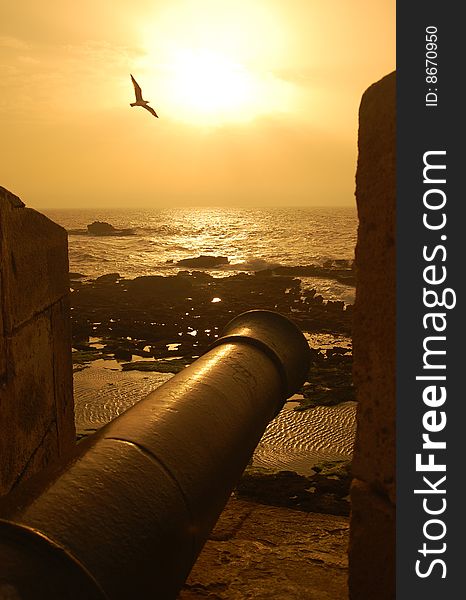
(297, 440)
(294, 440)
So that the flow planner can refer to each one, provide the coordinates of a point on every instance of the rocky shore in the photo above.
(160, 318)
(148, 315)
(162, 324)
(326, 491)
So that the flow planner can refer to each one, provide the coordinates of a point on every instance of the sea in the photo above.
(252, 238)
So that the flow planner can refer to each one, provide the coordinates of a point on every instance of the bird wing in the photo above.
(151, 110)
(137, 89)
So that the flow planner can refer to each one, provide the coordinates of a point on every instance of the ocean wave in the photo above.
(82, 257)
(158, 230)
(77, 231)
(333, 262)
(252, 264)
(315, 245)
(115, 234)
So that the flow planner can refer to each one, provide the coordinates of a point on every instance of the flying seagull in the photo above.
(139, 100)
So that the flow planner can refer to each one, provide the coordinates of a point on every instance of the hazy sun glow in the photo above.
(209, 83)
(217, 69)
(257, 100)
(209, 87)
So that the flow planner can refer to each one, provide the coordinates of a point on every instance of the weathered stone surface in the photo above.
(267, 552)
(34, 263)
(36, 403)
(63, 374)
(374, 311)
(372, 566)
(372, 545)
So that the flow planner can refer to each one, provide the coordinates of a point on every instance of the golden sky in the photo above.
(257, 100)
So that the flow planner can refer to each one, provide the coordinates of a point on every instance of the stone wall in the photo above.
(36, 388)
(373, 496)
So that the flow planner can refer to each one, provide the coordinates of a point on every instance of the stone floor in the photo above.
(265, 552)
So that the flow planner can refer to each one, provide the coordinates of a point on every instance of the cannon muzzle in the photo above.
(128, 515)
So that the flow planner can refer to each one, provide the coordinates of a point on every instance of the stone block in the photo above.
(375, 307)
(36, 393)
(373, 496)
(372, 545)
(34, 263)
(63, 374)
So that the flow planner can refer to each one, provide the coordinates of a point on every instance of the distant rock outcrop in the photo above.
(204, 261)
(103, 228)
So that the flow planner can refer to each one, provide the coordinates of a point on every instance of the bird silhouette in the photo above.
(139, 100)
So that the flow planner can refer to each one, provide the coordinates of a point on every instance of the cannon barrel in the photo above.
(127, 516)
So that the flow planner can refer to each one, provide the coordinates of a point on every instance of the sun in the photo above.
(215, 65)
(211, 84)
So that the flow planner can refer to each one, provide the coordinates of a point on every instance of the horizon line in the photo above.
(197, 206)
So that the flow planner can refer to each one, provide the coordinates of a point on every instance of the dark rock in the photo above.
(335, 305)
(157, 285)
(204, 261)
(123, 354)
(108, 278)
(103, 228)
(86, 356)
(335, 350)
(264, 273)
(77, 275)
(330, 379)
(159, 311)
(327, 491)
(197, 275)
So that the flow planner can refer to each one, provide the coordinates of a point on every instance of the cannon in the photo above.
(128, 515)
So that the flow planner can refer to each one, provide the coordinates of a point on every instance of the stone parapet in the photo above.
(36, 386)
(373, 496)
